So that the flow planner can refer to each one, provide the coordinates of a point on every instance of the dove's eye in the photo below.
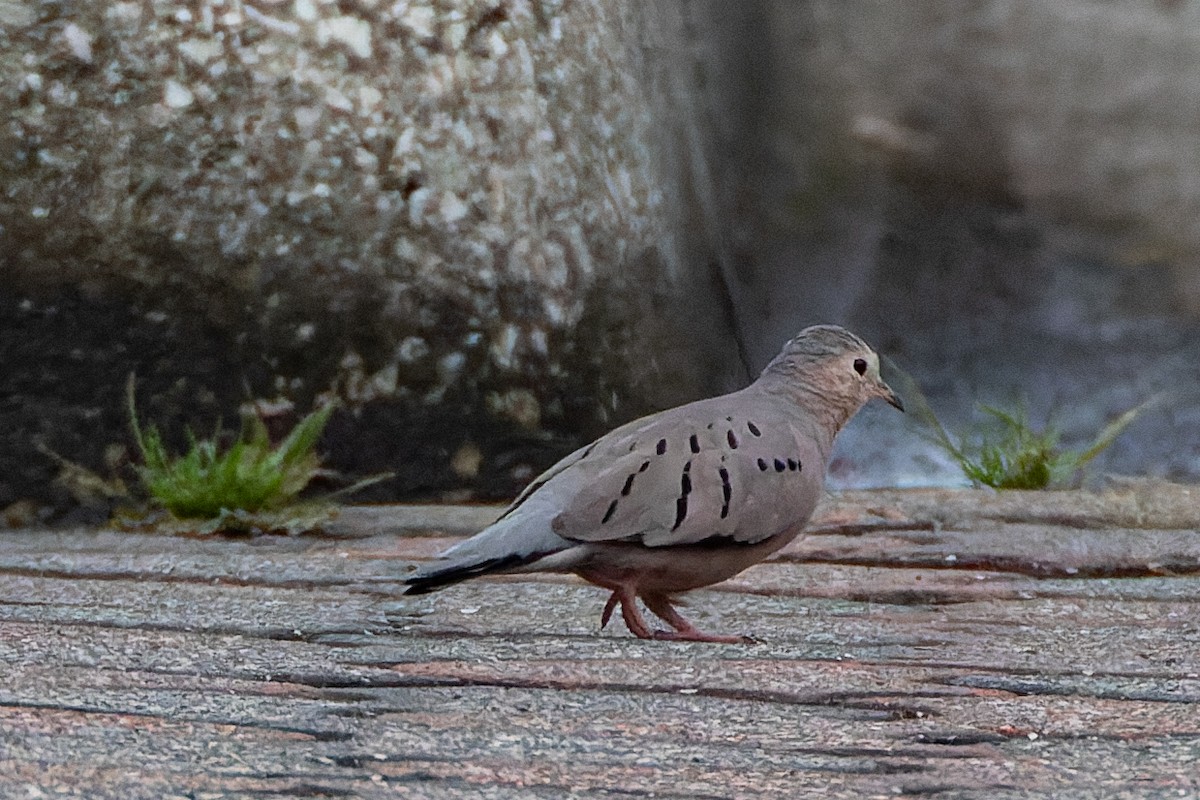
(860, 366)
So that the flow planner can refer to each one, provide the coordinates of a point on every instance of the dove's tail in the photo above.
(435, 578)
(514, 541)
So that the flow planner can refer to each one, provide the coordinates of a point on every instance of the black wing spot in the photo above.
(694, 443)
(750, 426)
(727, 489)
(709, 426)
(680, 511)
(731, 437)
(645, 466)
(799, 465)
(685, 488)
(633, 445)
(762, 464)
(793, 464)
(612, 508)
(779, 465)
(628, 484)
(662, 446)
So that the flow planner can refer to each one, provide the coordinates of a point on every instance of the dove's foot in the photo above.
(684, 631)
(696, 635)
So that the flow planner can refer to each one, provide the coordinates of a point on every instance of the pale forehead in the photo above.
(828, 340)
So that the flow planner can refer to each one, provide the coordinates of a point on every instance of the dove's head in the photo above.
(829, 369)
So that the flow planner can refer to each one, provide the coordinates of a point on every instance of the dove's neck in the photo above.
(826, 413)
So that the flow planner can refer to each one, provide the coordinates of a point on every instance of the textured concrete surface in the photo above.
(950, 644)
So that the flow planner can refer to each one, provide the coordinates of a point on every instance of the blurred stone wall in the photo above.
(1002, 195)
(475, 223)
(1081, 115)
(492, 229)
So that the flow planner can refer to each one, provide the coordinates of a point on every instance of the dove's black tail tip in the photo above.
(426, 582)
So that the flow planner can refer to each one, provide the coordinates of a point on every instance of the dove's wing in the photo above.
(740, 468)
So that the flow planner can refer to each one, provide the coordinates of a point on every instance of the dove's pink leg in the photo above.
(629, 612)
(684, 630)
(613, 599)
(626, 596)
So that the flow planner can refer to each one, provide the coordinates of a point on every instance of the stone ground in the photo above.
(956, 644)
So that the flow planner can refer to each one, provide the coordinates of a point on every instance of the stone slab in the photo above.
(145, 666)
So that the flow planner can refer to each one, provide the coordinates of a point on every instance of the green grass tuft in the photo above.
(1006, 452)
(249, 475)
(1013, 455)
(1010, 454)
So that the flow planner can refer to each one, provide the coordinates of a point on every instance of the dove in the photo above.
(683, 498)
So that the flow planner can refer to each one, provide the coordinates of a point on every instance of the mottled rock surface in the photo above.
(948, 644)
(436, 211)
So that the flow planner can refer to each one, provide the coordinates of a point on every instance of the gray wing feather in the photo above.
(695, 474)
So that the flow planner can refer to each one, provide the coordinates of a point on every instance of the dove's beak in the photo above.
(893, 399)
